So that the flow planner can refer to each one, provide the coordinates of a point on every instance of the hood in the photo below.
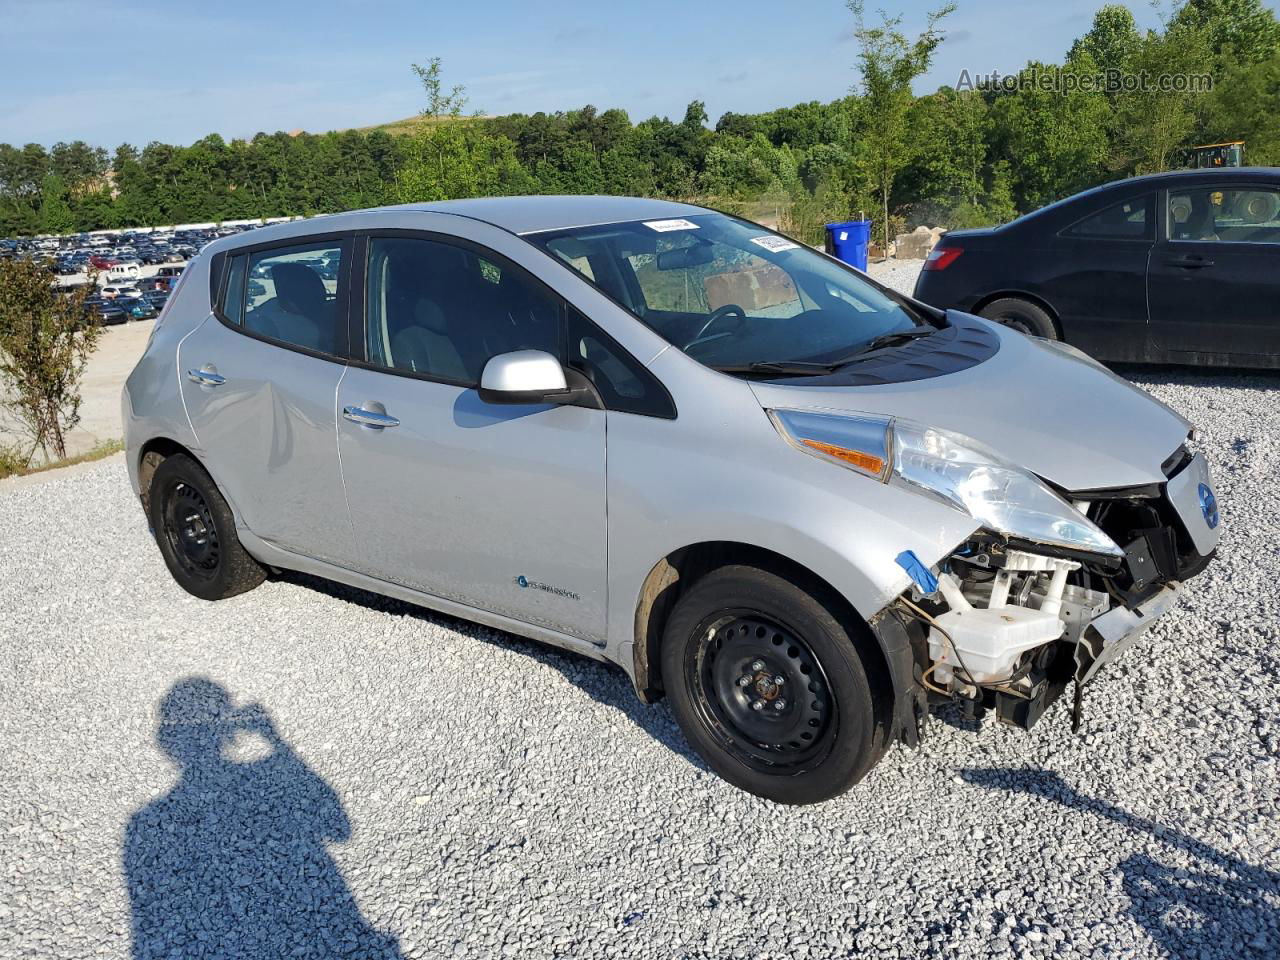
(1046, 407)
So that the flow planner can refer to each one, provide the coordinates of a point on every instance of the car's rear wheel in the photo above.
(1023, 316)
(196, 532)
(769, 686)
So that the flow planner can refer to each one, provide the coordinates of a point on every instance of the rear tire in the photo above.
(1023, 316)
(729, 640)
(196, 532)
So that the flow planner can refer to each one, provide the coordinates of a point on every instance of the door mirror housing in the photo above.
(533, 376)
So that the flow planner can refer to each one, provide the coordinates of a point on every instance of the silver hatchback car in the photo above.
(801, 506)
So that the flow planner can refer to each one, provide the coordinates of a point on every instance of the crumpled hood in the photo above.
(1061, 416)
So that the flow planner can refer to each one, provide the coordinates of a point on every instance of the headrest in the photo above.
(299, 288)
(428, 315)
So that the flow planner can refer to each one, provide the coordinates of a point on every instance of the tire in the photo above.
(1023, 316)
(742, 623)
(196, 532)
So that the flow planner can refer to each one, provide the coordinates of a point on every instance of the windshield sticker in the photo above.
(666, 226)
(775, 244)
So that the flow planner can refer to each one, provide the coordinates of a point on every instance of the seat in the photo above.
(425, 345)
(300, 313)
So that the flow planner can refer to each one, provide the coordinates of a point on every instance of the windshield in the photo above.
(729, 293)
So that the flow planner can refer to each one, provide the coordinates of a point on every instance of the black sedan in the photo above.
(1179, 267)
(104, 311)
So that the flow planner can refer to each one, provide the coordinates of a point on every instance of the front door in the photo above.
(493, 506)
(1214, 281)
(259, 379)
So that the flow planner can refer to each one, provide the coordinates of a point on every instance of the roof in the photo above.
(539, 213)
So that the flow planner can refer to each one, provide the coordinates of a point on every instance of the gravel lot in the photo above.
(412, 785)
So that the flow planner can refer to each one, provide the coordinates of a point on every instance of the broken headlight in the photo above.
(957, 470)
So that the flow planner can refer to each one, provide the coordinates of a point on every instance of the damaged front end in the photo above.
(1007, 624)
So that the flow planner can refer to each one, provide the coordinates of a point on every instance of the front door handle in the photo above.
(370, 418)
(206, 378)
(1191, 262)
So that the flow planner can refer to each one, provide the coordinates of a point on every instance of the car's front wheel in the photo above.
(196, 532)
(768, 684)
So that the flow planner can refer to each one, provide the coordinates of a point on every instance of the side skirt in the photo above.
(272, 556)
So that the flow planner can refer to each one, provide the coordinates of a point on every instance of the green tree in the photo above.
(1112, 41)
(55, 211)
(44, 346)
(440, 105)
(1056, 143)
(887, 64)
(1152, 123)
(1242, 30)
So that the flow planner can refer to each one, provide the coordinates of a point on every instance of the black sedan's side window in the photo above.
(1128, 220)
(1225, 214)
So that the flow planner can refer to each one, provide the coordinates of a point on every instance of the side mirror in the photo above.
(533, 376)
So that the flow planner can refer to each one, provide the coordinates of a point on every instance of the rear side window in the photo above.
(1129, 220)
(289, 295)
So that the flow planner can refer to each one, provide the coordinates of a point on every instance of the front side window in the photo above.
(1225, 214)
(1129, 220)
(443, 311)
(291, 295)
(730, 294)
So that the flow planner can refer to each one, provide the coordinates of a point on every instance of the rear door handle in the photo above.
(370, 418)
(206, 378)
(1189, 262)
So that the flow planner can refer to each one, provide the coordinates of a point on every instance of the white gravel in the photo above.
(898, 274)
(438, 789)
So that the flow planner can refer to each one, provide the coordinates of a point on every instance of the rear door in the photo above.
(259, 379)
(1214, 280)
(1094, 276)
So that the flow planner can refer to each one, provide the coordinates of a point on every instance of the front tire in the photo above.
(1023, 316)
(196, 532)
(769, 687)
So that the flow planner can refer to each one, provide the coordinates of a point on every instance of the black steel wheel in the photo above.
(761, 691)
(190, 530)
(196, 532)
(774, 684)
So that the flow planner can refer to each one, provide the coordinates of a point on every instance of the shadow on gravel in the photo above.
(1220, 907)
(605, 683)
(233, 861)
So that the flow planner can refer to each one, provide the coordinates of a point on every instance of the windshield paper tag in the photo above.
(774, 244)
(666, 226)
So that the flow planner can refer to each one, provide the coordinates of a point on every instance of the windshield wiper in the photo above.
(791, 368)
(814, 368)
(885, 340)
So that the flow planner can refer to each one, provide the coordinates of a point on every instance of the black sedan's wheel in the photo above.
(196, 532)
(768, 685)
(1023, 316)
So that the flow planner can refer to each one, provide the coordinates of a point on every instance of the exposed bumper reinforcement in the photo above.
(1111, 634)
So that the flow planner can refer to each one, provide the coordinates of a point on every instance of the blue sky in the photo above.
(109, 71)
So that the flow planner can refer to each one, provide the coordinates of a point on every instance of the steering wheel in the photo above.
(728, 310)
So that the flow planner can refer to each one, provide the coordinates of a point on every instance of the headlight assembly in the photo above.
(954, 469)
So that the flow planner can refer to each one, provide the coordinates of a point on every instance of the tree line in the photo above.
(971, 153)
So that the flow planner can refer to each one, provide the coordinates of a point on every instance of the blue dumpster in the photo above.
(848, 241)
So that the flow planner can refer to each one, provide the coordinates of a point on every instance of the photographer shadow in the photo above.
(1218, 903)
(233, 861)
